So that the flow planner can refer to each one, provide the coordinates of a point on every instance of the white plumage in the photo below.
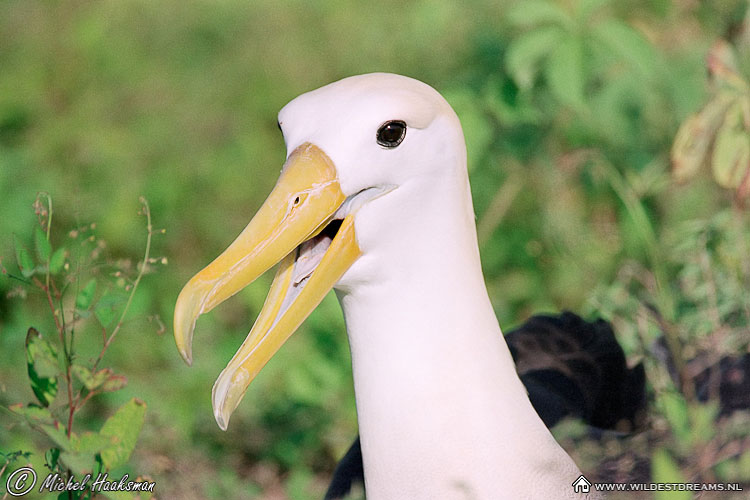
(442, 412)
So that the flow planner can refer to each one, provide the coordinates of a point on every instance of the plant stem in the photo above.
(61, 334)
(5, 466)
(49, 228)
(71, 403)
(60, 326)
(60, 329)
(141, 271)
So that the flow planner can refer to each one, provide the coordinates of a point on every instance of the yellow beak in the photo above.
(293, 226)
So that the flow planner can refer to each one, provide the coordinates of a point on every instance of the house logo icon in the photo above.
(581, 485)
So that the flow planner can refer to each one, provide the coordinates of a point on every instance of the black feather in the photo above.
(349, 472)
(729, 379)
(573, 367)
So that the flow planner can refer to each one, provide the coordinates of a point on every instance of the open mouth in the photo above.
(306, 225)
(310, 252)
(303, 278)
(307, 257)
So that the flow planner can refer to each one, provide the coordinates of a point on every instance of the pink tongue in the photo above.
(310, 254)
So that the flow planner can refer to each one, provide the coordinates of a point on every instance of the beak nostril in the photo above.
(294, 205)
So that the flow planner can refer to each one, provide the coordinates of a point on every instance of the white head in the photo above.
(367, 158)
(393, 187)
(343, 119)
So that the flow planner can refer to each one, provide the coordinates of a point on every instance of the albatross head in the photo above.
(365, 157)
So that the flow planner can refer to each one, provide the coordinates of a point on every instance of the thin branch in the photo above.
(5, 466)
(61, 334)
(60, 329)
(49, 228)
(19, 278)
(141, 271)
(71, 404)
(85, 399)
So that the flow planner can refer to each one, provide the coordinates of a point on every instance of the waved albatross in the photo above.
(374, 201)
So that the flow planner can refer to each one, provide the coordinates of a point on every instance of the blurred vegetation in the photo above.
(570, 108)
(63, 375)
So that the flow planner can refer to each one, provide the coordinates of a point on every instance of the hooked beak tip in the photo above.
(187, 357)
(226, 395)
(223, 424)
(183, 339)
(190, 304)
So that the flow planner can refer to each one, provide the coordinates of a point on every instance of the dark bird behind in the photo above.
(570, 368)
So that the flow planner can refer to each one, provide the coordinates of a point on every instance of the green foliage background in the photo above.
(569, 121)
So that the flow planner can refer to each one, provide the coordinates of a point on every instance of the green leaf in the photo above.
(80, 463)
(123, 427)
(11, 457)
(525, 52)
(56, 433)
(731, 156)
(43, 248)
(91, 380)
(534, 12)
(35, 415)
(664, 469)
(628, 44)
(107, 307)
(86, 295)
(703, 421)
(57, 261)
(42, 364)
(23, 258)
(80, 456)
(691, 145)
(564, 70)
(90, 442)
(114, 383)
(675, 410)
(51, 457)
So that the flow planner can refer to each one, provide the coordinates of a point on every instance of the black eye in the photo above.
(391, 133)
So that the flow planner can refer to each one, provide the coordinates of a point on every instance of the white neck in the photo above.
(442, 412)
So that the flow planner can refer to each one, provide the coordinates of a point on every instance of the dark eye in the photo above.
(391, 133)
